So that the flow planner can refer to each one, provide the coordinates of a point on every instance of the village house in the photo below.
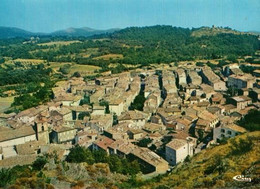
(194, 78)
(63, 112)
(116, 106)
(183, 124)
(227, 131)
(100, 122)
(77, 110)
(97, 95)
(98, 110)
(29, 115)
(134, 117)
(152, 127)
(102, 143)
(29, 148)
(63, 135)
(68, 99)
(178, 149)
(206, 91)
(241, 102)
(181, 75)
(241, 81)
(210, 78)
(136, 134)
(11, 137)
(150, 160)
(85, 138)
(212, 119)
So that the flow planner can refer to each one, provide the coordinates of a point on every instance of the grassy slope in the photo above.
(191, 174)
(213, 31)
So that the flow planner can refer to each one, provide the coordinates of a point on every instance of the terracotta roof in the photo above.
(103, 142)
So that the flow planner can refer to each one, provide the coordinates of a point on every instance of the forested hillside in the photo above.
(144, 45)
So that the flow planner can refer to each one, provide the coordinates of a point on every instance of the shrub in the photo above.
(6, 177)
(39, 163)
(241, 146)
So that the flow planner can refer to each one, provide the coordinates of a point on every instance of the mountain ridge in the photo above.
(13, 32)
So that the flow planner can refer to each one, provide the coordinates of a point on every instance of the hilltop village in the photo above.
(158, 116)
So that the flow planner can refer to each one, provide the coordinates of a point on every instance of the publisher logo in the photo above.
(242, 178)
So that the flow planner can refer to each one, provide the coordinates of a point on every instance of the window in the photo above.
(222, 130)
(229, 132)
(222, 135)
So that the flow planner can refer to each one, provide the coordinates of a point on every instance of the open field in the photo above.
(56, 65)
(29, 61)
(83, 69)
(89, 51)
(5, 103)
(109, 56)
(59, 43)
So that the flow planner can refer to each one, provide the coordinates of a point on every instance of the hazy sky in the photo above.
(51, 15)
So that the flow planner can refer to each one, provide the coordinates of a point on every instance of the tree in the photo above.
(241, 146)
(106, 104)
(144, 142)
(80, 154)
(82, 115)
(6, 176)
(115, 119)
(138, 103)
(2, 60)
(251, 121)
(85, 100)
(39, 163)
(115, 164)
(100, 156)
(76, 74)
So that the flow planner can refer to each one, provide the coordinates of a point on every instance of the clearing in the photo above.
(59, 43)
(109, 56)
(83, 69)
(5, 103)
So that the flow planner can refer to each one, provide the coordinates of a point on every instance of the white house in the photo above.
(178, 149)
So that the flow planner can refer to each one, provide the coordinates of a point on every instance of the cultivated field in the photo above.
(59, 43)
(109, 56)
(83, 69)
(5, 103)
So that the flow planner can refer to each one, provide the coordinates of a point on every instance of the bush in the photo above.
(80, 154)
(251, 121)
(39, 163)
(241, 146)
(6, 177)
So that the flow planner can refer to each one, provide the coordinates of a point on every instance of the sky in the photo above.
(52, 15)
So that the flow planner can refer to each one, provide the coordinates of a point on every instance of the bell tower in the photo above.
(42, 132)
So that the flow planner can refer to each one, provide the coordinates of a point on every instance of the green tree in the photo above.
(39, 163)
(6, 176)
(241, 146)
(138, 103)
(82, 115)
(106, 104)
(251, 121)
(80, 154)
